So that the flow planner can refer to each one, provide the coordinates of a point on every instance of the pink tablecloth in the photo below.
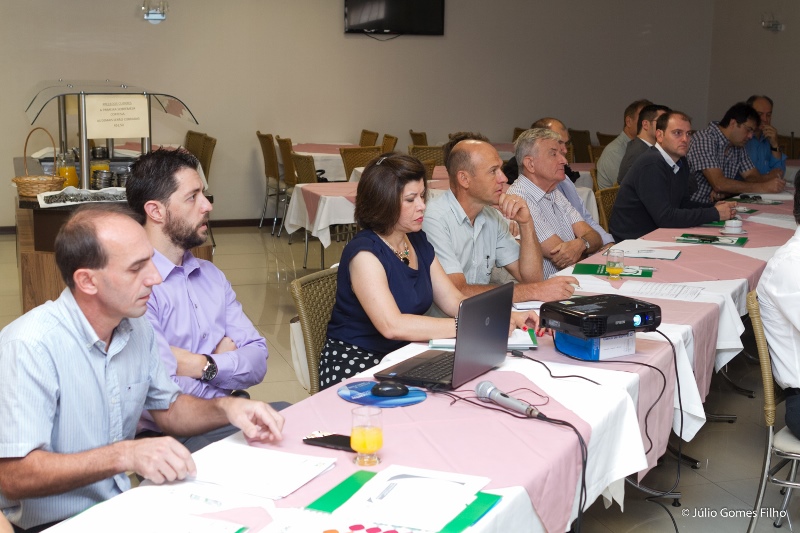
(440, 173)
(459, 437)
(784, 208)
(758, 235)
(655, 424)
(581, 167)
(312, 193)
(702, 262)
(313, 148)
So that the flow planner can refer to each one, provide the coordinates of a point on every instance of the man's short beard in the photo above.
(182, 235)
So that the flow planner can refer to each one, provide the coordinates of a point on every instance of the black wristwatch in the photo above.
(774, 148)
(210, 370)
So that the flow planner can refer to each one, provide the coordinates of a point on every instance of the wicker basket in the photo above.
(32, 185)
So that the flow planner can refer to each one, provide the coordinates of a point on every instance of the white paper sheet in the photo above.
(650, 289)
(259, 471)
(413, 497)
(519, 340)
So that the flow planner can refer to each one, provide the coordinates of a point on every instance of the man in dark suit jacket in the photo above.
(645, 137)
(656, 190)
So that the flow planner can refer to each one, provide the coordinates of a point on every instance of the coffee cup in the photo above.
(733, 226)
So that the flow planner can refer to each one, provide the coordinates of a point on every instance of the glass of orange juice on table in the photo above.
(615, 263)
(366, 437)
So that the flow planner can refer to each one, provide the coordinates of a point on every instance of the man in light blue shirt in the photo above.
(471, 236)
(79, 372)
(763, 147)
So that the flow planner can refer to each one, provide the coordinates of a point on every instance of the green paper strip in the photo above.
(532, 334)
(481, 505)
(600, 270)
(334, 498)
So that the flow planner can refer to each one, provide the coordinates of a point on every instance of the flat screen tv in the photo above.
(398, 17)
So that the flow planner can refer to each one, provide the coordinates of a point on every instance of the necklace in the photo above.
(402, 256)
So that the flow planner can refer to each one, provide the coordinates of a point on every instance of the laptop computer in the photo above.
(481, 344)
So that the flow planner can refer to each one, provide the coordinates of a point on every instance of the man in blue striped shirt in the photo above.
(79, 371)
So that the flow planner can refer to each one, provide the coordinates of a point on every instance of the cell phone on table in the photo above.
(329, 440)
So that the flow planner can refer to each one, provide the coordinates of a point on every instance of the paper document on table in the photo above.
(651, 254)
(258, 471)
(180, 507)
(518, 340)
(527, 306)
(413, 497)
(774, 219)
(671, 291)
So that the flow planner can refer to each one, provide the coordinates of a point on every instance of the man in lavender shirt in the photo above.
(206, 342)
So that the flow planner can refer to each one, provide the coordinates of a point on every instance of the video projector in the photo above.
(604, 315)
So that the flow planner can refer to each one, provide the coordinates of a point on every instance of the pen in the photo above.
(649, 269)
(576, 286)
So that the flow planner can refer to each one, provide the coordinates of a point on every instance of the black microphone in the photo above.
(487, 392)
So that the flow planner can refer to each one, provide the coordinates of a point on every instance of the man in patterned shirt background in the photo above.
(719, 162)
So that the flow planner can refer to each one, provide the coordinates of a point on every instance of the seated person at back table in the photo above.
(656, 190)
(564, 236)
(464, 228)
(779, 300)
(719, 161)
(81, 369)
(389, 276)
(206, 342)
(566, 186)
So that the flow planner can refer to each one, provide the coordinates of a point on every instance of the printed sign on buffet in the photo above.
(115, 116)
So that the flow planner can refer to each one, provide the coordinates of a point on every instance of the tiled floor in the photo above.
(260, 267)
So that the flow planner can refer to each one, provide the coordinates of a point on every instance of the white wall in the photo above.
(747, 59)
(286, 67)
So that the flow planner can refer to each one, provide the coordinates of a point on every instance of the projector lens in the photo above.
(637, 321)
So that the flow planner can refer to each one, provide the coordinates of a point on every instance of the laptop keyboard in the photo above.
(434, 370)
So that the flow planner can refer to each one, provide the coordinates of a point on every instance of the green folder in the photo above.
(334, 498)
(600, 270)
(725, 240)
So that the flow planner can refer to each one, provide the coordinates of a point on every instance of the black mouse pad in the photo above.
(360, 392)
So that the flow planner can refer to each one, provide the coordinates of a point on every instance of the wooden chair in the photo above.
(605, 138)
(786, 146)
(306, 173)
(194, 143)
(783, 444)
(314, 296)
(605, 204)
(427, 153)
(368, 138)
(289, 175)
(594, 157)
(389, 142)
(570, 153)
(202, 147)
(272, 175)
(429, 164)
(580, 140)
(418, 138)
(358, 157)
(517, 133)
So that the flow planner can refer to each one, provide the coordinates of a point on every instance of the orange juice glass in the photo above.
(366, 437)
(69, 174)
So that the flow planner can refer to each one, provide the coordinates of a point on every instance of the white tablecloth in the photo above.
(331, 210)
